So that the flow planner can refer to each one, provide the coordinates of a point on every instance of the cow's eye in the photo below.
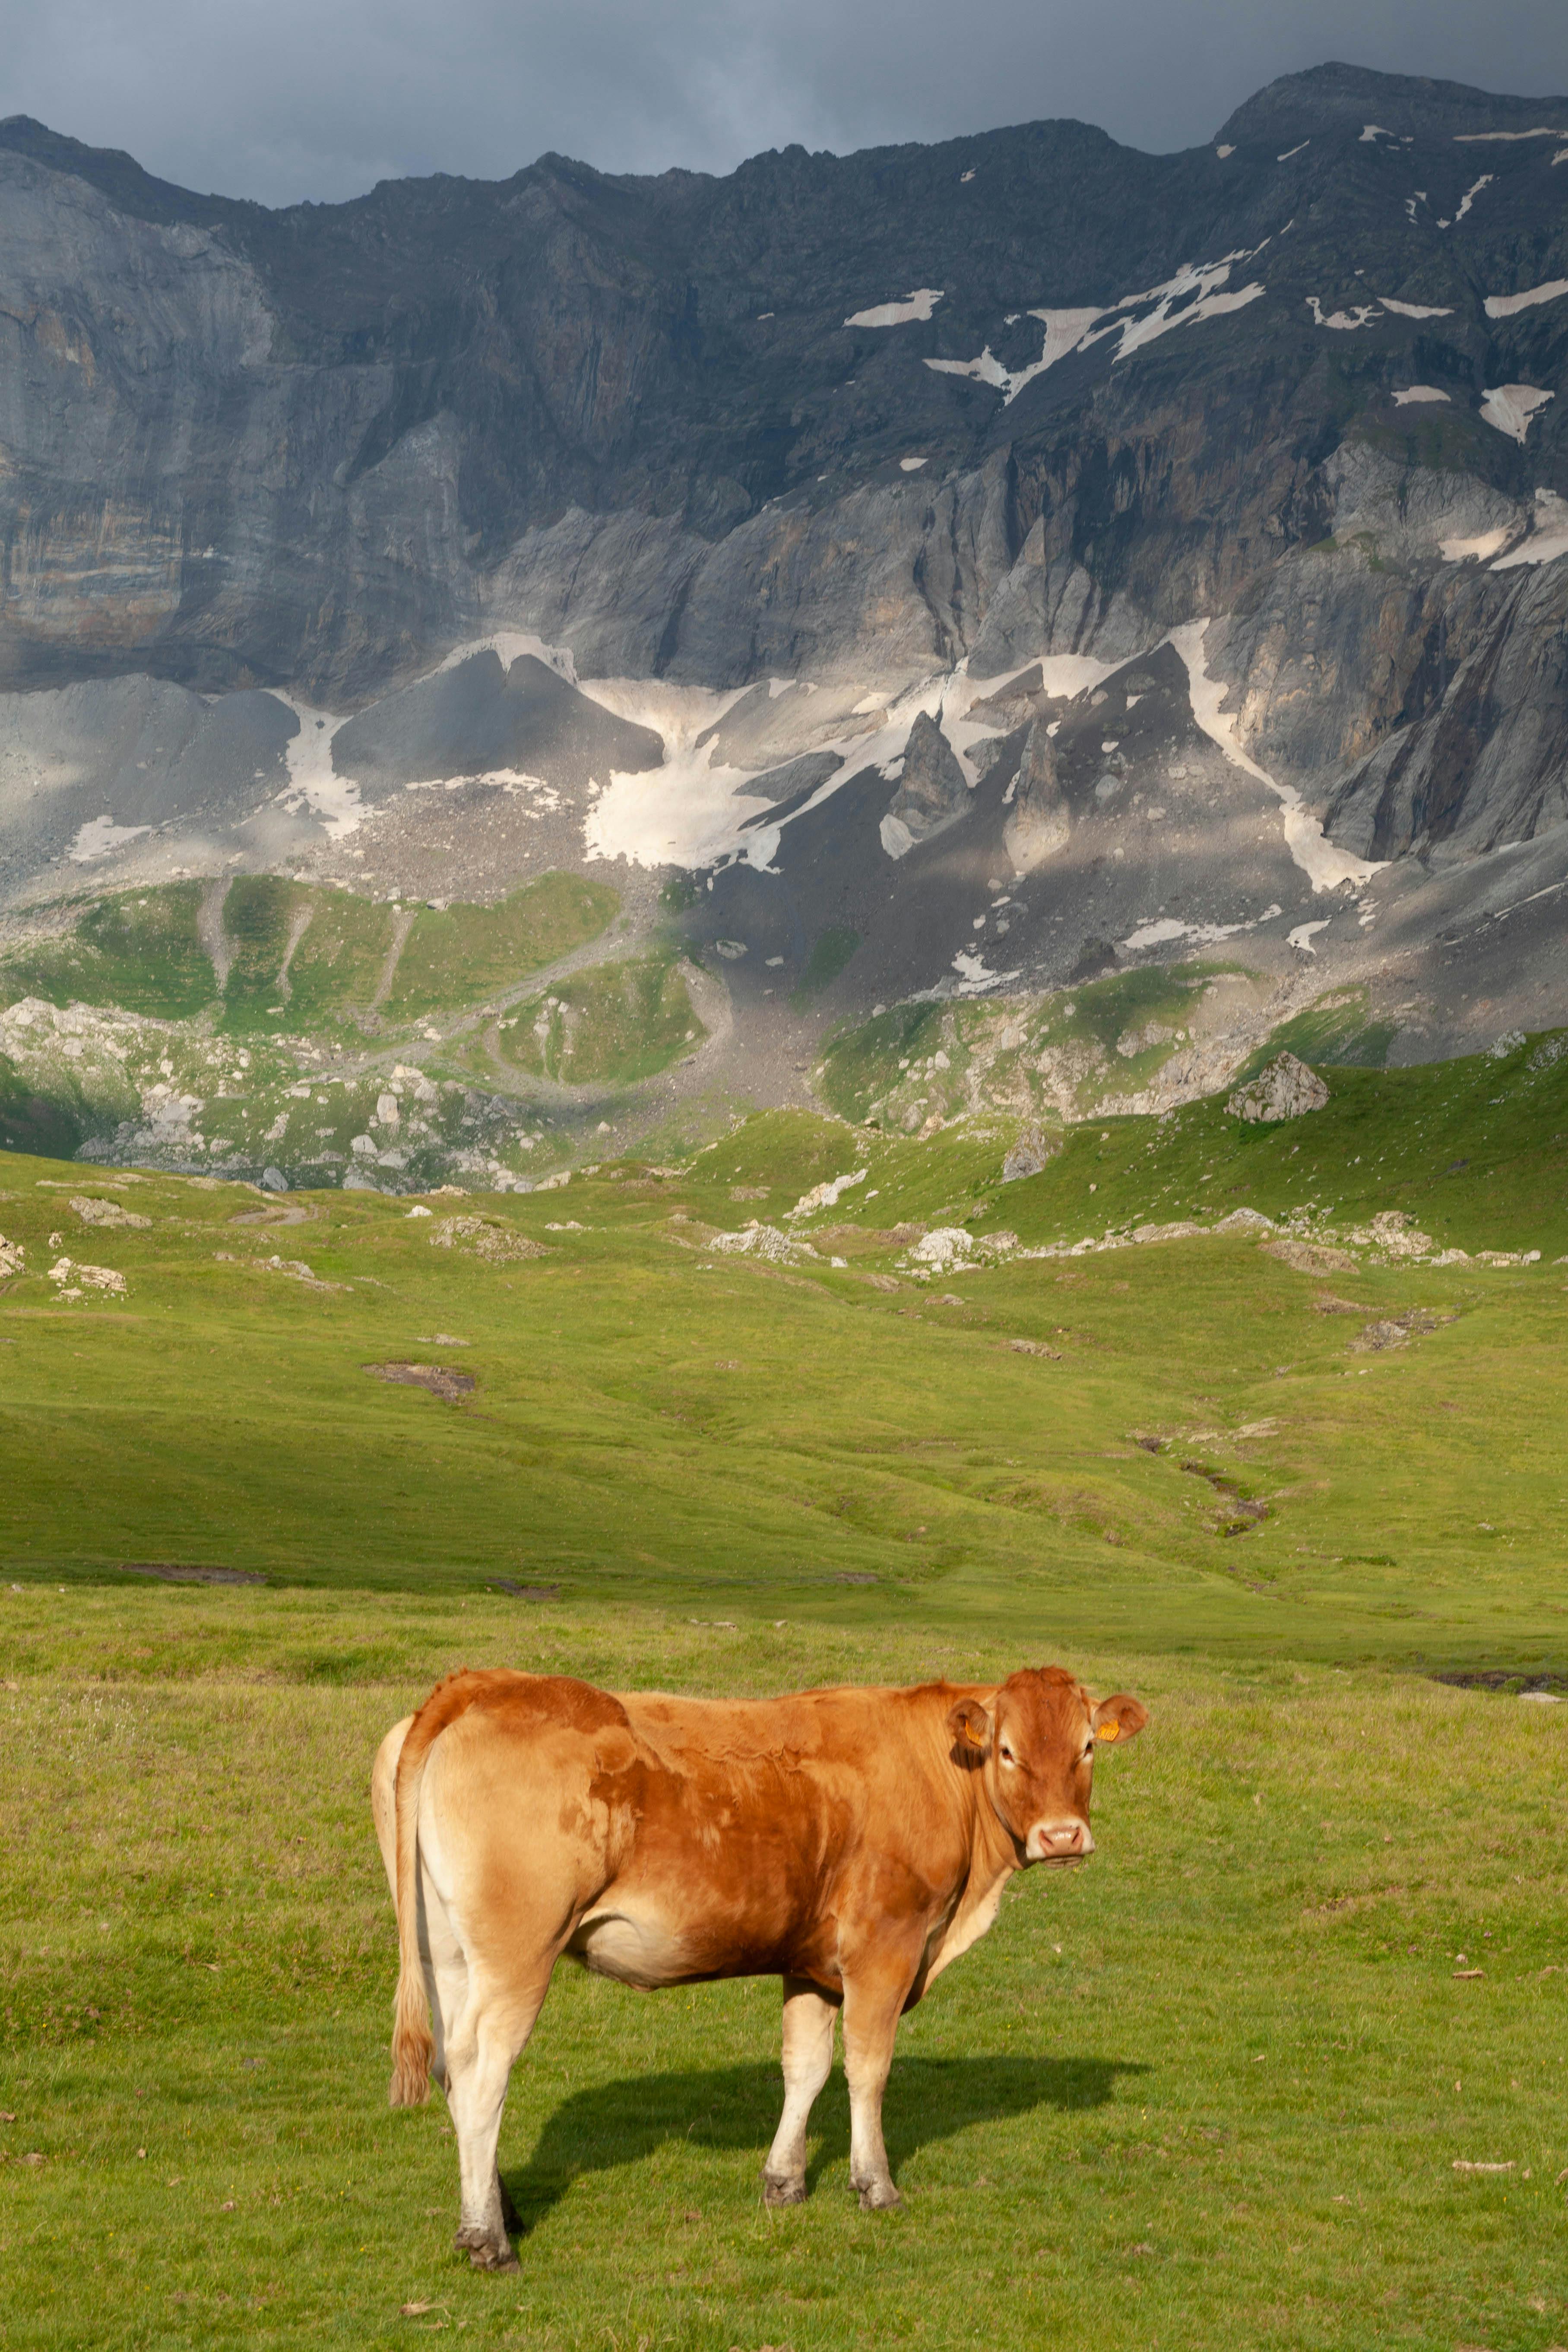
(1088, 1754)
(1007, 1756)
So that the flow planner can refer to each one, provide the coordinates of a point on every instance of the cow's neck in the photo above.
(992, 1859)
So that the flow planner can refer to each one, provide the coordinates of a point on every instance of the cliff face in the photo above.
(315, 445)
(795, 528)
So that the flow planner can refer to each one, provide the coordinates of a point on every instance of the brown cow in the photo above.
(852, 1841)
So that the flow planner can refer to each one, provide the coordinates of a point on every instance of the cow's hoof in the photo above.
(783, 2193)
(879, 2196)
(485, 2252)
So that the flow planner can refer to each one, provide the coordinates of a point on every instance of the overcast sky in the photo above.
(282, 99)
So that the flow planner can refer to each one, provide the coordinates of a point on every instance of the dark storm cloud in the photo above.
(287, 99)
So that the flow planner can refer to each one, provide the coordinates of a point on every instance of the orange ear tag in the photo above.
(1111, 1730)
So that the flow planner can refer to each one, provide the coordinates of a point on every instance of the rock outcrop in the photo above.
(1032, 1151)
(1285, 1088)
(1039, 822)
(933, 791)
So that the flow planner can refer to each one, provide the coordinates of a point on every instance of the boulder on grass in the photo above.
(1029, 1154)
(1287, 1088)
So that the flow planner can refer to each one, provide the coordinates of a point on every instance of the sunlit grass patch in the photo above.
(457, 956)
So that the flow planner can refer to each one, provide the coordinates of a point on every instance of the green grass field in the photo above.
(1210, 2090)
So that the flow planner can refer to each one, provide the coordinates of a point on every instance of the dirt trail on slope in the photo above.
(210, 929)
(297, 932)
(402, 924)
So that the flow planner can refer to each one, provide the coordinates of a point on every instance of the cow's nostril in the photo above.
(1060, 1841)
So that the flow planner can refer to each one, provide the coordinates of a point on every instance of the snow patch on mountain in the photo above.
(101, 838)
(1548, 539)
(1345, 321)
(1167, 928)
(313, 783)
(1078, 330)
(1505, 306)
(1468, 199)
(917, 305)
(1483, 547)
(1513, 407)
(510, 645)
(1325, 865)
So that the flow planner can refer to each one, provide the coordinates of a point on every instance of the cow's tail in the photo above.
(412, 2045)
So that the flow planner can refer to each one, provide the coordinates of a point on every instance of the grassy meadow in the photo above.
(1212, 2089)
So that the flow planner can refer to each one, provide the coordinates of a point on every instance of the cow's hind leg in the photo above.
(808, 2021)
(872, 2006)
(481, 2055)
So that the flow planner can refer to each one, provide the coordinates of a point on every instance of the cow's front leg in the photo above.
(808, 2021)
(872, 2006)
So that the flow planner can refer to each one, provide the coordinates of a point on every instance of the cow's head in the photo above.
(1034, 1741)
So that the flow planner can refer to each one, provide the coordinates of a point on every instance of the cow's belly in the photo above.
(632, 1937)
(635, 1944)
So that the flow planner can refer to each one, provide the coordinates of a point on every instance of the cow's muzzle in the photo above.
(1059, 1841)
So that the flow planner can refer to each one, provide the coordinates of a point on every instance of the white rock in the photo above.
(1397, 1233)
(761, 1240)
(94, 1212)
(826, 1196)
(941, 1248)
(91, 1278)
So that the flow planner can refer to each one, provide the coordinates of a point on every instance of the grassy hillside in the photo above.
(1475, 1150)
(462, 954)
(690, 1421)
(138, 950)
(322, 993)
(1065, 1053)
(300, 960)
(613, 1023)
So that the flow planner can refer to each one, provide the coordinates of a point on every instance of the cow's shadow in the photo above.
(732, 2107)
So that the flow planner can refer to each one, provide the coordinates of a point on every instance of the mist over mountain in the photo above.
(949, 574)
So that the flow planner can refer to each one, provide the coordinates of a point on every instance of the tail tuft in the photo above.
(412, 2045)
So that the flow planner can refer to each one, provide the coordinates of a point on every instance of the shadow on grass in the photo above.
(928, 2099)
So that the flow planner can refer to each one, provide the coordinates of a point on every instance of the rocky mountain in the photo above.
(935, 584)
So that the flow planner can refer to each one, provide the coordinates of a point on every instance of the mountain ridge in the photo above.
(1016, 541)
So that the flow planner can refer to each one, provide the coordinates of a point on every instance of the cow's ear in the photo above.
(970, 1725)
(1119, 1719)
